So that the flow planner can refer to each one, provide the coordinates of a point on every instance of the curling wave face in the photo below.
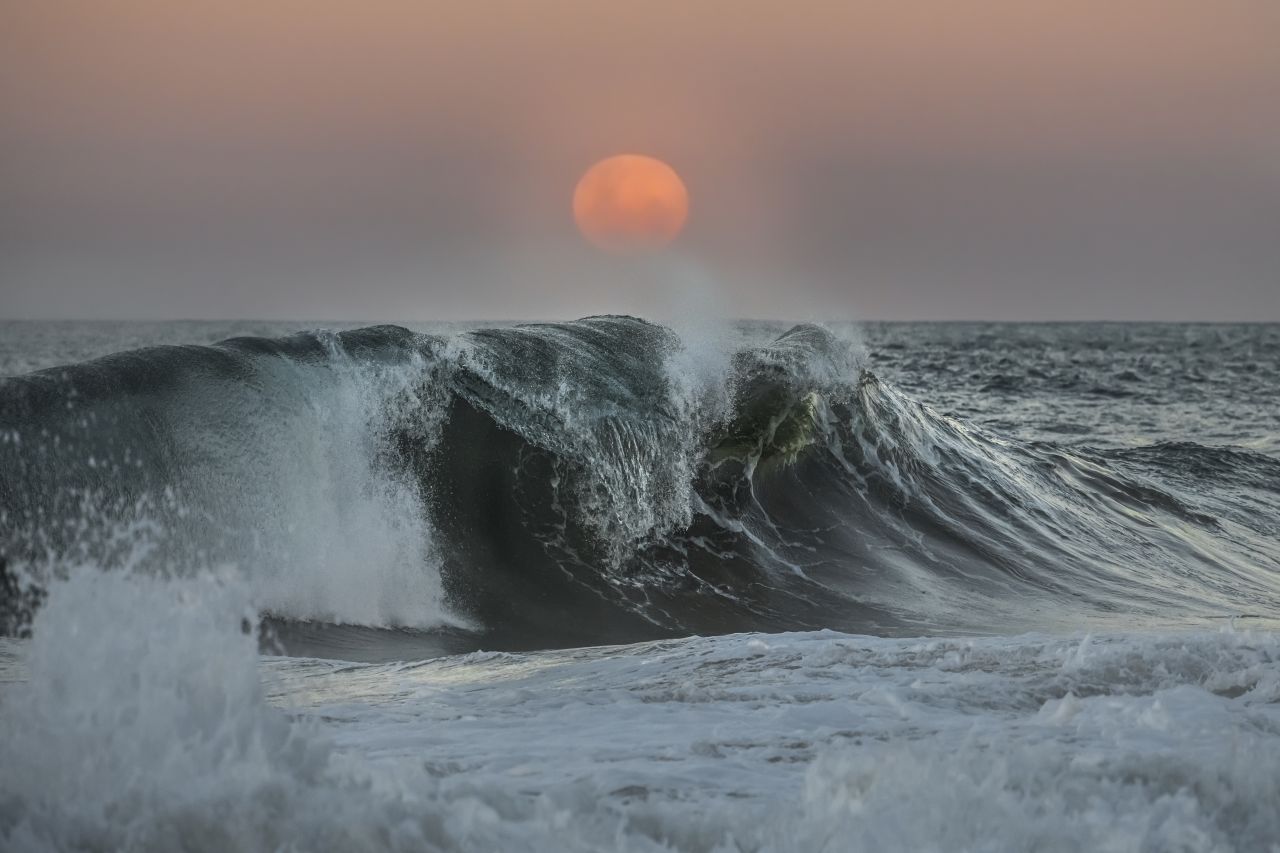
(589, 482)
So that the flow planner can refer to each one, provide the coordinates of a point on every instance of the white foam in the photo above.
(286, 474)
(330, 529)
(153, 733)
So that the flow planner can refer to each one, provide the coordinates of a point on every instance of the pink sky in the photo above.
(412, 159)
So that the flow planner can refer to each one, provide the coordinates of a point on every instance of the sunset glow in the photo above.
(630, 202)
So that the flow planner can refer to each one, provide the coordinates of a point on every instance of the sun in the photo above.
(630, 202)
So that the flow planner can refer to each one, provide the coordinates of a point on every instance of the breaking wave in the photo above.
(602, 481)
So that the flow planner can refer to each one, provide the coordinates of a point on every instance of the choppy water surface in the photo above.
(493, 494)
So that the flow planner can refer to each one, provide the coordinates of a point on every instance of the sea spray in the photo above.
(270, 456)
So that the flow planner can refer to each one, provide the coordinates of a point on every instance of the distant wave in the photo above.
(592, 481)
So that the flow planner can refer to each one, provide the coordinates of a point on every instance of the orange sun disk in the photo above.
(630, 202)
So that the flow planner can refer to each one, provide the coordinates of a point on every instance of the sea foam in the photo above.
(169, 733)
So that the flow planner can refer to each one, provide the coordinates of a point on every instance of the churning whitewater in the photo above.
(611, 587)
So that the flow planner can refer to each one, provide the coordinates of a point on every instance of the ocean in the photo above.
(613, 585)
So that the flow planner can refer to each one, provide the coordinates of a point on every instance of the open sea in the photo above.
(610, 585)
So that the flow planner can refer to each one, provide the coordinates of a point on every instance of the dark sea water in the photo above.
(636, 545)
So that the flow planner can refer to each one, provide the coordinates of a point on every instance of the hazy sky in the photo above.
(409, 159)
